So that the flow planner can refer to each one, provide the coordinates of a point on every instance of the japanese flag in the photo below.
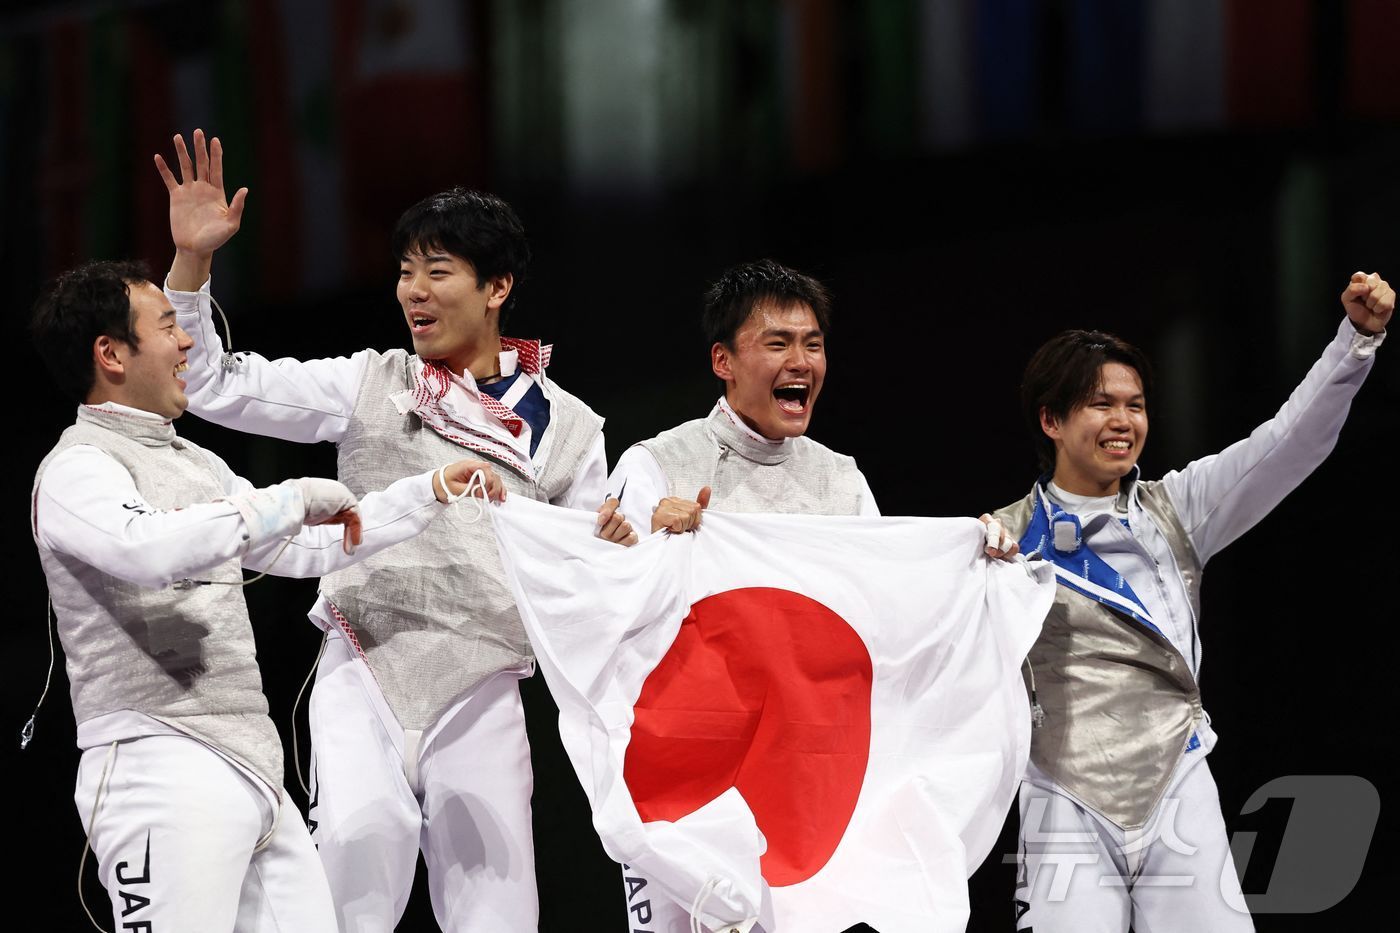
(814, 721)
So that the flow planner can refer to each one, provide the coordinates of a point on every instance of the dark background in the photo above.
(1200, 176)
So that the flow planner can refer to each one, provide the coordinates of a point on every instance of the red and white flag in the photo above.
(815, 721)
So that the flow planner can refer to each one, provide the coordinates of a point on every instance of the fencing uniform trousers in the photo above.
(1175, 875)
(460, 794)
(174, 834)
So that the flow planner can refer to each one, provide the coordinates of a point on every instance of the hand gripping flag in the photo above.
(814, 721)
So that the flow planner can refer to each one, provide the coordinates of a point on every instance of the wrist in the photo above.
(189, 271)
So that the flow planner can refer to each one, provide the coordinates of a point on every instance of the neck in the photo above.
(751, 424)
(483, 361)
(1080, 486)
(98, 397)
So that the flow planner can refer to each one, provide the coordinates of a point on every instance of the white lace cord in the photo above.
(188, 584)
(266, 840)
(475, 482)
(701, 897)
(27, 733)
(229, 362)
(1037, 711)
(87, 843)
(296, 749)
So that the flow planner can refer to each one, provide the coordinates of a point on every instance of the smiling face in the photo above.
(451, 316)
(1099, 442)
(148, 376)
(774, 373)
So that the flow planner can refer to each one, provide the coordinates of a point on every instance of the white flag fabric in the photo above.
(816, 721)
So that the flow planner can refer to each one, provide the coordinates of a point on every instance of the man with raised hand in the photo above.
(1120, 818)
(418, 734)
(142, 536)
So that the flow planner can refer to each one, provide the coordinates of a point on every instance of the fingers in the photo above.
(618, 530)
(165, 174)
(201, 157)
(216, 163)
(703, 499)
(606, 511)
(354, 532)
(235, 209)
(458, 477)
(676, 515)
(1382, 297)
(183, 155)
(999, 542)
(1369, 301)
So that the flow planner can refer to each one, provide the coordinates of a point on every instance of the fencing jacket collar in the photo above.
(1057, 536)
(144, 427)
(729, 429)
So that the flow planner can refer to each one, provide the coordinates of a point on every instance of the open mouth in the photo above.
(418, 322)
(792, 397)
(1116, 446)
(182, 368)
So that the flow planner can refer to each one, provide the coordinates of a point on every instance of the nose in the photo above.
(182, 339)
(412, 287)
(799, 359)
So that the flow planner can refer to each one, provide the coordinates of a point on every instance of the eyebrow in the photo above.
(789, 332)
(168, 313)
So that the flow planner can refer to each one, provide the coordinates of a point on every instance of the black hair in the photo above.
(1064, 374)
(732, 298)
(82, 304)
(472, 225)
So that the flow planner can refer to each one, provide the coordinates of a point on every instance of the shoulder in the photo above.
(1016, 516)
(685, 431)
(557, 394)
(816, 450)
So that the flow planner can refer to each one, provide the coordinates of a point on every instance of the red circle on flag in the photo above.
(767, 691)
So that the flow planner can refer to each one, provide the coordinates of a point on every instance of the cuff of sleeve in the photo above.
(426, 489)
(1363, 346)
(271, 512)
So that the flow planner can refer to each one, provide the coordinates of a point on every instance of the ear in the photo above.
(720, 363)
(500, 287)
(107, 357)
(1049, 424)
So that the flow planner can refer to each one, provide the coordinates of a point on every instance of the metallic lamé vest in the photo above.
(434, 615)
(1120, 701)
(798, 476)
(184, 657)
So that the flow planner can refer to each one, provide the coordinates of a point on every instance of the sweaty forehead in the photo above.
(1119, 379)
(770, 316)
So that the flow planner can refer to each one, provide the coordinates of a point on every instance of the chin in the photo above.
(791, 429)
